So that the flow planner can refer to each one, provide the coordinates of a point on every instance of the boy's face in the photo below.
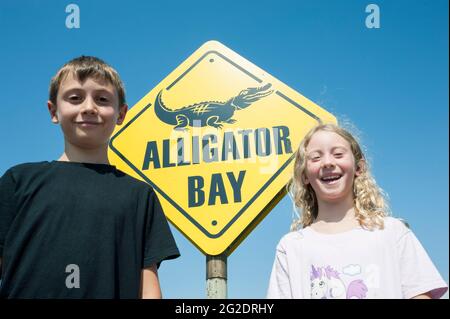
(88, 112)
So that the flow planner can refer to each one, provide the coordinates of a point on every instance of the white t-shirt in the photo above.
(388, 263)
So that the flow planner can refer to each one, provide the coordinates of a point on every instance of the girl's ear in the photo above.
(52, 109)
(360, 167)
(305, 179)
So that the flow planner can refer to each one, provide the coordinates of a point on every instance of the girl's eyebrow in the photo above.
(341, 147)
(313, 151)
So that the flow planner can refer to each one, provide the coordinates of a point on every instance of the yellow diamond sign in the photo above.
(216, 140)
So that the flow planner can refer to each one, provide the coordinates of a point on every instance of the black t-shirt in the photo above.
(64, 221)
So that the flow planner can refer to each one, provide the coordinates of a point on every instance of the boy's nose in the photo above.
(89, 107)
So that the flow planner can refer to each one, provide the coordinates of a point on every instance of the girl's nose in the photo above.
(328, 161)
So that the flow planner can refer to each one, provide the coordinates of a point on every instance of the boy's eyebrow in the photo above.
(77, 88)
(105, 90)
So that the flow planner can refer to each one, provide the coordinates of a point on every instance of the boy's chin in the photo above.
(88, 143)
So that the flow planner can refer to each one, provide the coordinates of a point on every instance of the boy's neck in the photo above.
(73, 153)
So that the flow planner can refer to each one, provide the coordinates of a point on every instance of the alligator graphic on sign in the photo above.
(211, 113)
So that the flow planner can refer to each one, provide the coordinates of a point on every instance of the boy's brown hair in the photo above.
(85, 67)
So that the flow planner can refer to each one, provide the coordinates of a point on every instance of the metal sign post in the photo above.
(216, 277)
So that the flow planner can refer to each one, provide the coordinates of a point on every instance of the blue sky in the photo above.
(391, 83)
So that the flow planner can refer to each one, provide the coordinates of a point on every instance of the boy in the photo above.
(78, 227)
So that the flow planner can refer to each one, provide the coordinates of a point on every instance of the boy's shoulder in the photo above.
(135, 182)
(28, 170)
(28, 167)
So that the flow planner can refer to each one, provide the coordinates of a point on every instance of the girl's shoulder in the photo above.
(293, 238)
(395, 224)
(395, 228)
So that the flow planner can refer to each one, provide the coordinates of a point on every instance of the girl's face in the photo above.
(330, 167)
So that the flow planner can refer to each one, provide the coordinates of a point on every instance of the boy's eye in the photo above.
(102, 99)
(74, 98)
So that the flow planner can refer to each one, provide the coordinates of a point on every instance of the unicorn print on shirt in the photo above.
(326, 283)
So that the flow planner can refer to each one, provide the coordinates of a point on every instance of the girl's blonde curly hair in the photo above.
(369, 200)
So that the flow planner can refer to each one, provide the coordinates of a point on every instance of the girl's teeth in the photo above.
(330, 178)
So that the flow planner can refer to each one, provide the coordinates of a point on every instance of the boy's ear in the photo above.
(360, 167)
(52, 109)
(122, 113)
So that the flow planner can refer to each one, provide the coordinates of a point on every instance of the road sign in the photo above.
(216, 140)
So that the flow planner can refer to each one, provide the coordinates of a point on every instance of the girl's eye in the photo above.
(338, 155)
(314, 157)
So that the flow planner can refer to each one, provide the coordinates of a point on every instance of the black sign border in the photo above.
(160, 191)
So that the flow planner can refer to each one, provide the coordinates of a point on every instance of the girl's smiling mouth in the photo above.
(330, 179)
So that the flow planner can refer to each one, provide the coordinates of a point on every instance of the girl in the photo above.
(347, 247)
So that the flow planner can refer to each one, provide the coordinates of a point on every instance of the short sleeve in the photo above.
(418, 273)
(7, 206)
(279, 284)
(159, 242)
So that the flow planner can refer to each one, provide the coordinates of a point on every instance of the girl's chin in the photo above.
(334, 197)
